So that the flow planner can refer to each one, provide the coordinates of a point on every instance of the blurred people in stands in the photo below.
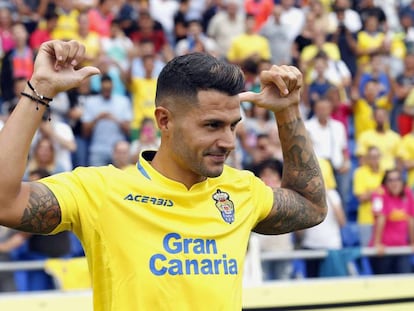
(278, 36)
(270, 171)
(10, 240)
(326, 235)
(226, 25)
(148, 139)
(367, 179)
(393, 207)
(248, 45)
(330, 142)
(121, 154)
(17, 62)
(385, 139)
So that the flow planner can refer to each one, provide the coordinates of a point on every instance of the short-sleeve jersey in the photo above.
(153, 244)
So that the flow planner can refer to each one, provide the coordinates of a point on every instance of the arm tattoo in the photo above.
(42, 213)
(301, 202)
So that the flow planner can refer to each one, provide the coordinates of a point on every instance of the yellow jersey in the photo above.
(153, 244)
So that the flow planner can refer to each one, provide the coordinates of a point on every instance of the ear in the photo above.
(163, 118)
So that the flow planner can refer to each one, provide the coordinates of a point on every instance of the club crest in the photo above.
(224, 205)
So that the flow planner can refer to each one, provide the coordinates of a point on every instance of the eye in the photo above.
(213, 125)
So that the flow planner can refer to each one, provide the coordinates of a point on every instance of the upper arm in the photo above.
(290, 212)
(35, 210)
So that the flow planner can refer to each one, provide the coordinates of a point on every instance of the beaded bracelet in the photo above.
(37, 94)
(38, 101)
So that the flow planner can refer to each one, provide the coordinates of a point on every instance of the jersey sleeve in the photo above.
(80, 194)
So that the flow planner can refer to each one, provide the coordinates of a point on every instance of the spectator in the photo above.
(303, 39)
(78, 98)
(149, 29)
(368, 8)
(10, 240)
(43, 157)
(117, 46)
(278, 36)
(148, 139)
(270, 171)
(367, 179)
(6, 36)
(67, 23)
(43, 34)
(100, 17)
(248, 45)
(142, 49)
(31, 12)
(64, 143)
(371, 40)
(293, 17)
(89, 38)
(143, 93)
(346, 39)
(376, 70)
(342, 12)
(196, 41)
(330, 143)
(106, 120)
(180, 21)
(163, 11)
(260, 9)
(226, 25)
(17, 63)
(364, 106)
(319, 84)
(326, 235)
(393, 206)
(121, 155)
(385, 139)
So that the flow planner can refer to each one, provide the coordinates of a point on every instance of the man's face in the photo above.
(202, 138)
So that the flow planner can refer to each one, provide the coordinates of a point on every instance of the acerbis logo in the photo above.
(140, 198)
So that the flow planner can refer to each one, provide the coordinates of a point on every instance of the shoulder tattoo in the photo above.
(42, 213)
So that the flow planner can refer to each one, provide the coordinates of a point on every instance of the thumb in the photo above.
(248, 96)
(87, 71)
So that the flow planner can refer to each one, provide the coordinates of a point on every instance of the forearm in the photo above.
(301, 171)
(15, 140)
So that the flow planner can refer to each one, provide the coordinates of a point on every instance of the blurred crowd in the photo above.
(357, 58)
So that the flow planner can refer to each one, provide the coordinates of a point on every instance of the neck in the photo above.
(167, 167)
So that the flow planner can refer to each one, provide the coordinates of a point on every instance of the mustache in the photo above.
(217, 152)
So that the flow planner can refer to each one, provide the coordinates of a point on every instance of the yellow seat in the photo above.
(69, 273)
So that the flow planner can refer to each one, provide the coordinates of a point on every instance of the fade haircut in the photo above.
(184, 76)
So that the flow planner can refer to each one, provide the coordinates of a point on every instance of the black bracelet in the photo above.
(38, 101)
(37, 94)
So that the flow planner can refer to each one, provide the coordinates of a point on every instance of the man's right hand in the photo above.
(55, 67)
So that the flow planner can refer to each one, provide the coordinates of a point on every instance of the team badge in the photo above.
(224, 205)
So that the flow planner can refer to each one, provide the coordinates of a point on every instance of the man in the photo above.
(106, 119)
(176, 231)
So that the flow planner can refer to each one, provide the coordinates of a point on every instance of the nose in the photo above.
(227, 139)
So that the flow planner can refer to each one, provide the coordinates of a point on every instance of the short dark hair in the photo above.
(106, 77)
(273, 164)
(186, 75)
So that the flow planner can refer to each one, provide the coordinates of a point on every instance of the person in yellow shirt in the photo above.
(387, 140)
(367, 179)
(175, 233)
(67, 22)
(363, 108)
(248, 45)
(143, 93)
(89, 39)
